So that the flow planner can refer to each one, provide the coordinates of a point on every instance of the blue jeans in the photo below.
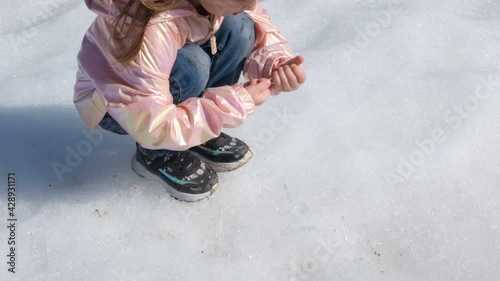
(196, 69)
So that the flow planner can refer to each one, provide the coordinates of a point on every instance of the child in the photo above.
(166, 73)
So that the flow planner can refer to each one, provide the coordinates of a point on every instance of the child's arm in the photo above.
(272, 56)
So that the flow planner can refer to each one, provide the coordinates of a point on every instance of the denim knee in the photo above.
(190, 73)
(237, 33)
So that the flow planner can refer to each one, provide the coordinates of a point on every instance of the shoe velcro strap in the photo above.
(157, 163)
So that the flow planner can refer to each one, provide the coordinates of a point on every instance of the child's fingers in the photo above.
(261, 91)
(276, 80)
(284, 80)
(288, 78)
(298, 60)
(299, 73)
(262, 85)
(292, 80)
(265, 93)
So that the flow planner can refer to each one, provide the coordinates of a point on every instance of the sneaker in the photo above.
(184, 176)
(223, 153)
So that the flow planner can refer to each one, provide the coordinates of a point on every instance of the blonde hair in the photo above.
(130, 25)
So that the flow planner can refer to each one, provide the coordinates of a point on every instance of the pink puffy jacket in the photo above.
(138, 96)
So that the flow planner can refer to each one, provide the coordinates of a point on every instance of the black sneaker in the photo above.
(184, 176)
(223, 153)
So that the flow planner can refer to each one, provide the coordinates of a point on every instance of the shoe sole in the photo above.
(225, 167)
(145, 174)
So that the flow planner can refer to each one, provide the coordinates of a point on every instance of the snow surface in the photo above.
(385, 165)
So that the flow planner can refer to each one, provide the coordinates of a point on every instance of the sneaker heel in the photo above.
(139, 169)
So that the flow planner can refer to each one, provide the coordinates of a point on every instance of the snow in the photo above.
(385, 165)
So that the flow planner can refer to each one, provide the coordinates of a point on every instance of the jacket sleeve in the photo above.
(270, 46)
(102, 7)
(138, 96)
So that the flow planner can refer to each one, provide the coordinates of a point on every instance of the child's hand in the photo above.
(288, 76)
(258, 90)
